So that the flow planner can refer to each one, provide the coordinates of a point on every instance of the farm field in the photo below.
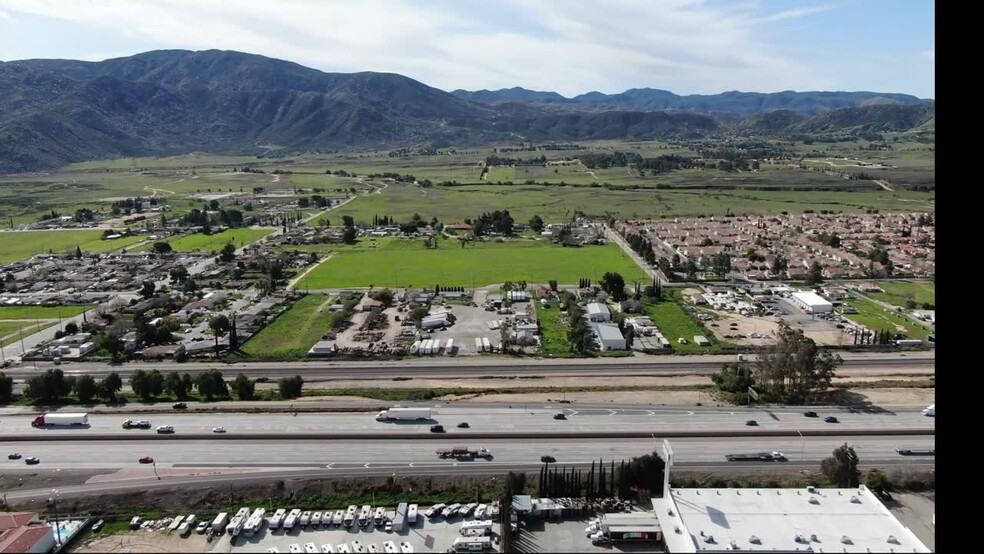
(215, 242)
(397, 263)
(675, 323)
(40, 312)
(293, 333)
(877, 318)
(21, 245)
(898, 293)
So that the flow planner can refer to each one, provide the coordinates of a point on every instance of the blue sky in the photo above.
(569, 46)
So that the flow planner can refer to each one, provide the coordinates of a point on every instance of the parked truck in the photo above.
(187, 526)
(404, 414)
(219, 523)
(60, 420)
(463, 452)
(757, 457)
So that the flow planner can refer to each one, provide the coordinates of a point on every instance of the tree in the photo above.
(140, 384)
(71, 328)
(48, 386)
(536, 223)
(348, 235)
(6, 388)
(218, 325)
(690, 268)
(147, 289)
(155, 383)
(179, 275)
(385, 296)
(174, 385)
(347, 221)
(244, 387)
(162, 247)
(842, 467)
(721, 263)
(795, 367)
(815, 275)
(85, 388)
(779, 265)
(228, 253)
(290, 387)
(734, 378)
(614, 284)
(210, 384)
(110, 385)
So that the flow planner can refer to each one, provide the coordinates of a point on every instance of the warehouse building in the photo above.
(609, 337)
(598, 312)
(811, 302)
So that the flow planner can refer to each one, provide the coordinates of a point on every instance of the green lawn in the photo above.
(399, 263)
(674, 323)
(293, 333)
(553, 332)
(877, 318)
(215, 242)
(41, 312)
(899, 293)
(28, 328)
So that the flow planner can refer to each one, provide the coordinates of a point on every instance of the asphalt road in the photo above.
(518, 418)
(475, 366)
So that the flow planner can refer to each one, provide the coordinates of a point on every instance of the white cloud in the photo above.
(686, 46)
(6, 16)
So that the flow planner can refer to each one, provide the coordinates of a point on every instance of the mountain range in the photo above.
(166, 102)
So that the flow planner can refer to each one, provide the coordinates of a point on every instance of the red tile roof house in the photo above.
(23, 532)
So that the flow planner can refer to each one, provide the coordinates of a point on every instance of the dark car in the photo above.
(32, 460)
(179, 405)
(146, 460)
(810, 414)
(548, 459)
(752, 422)
(463, 425)
(831, 419)
(14, 456)
(560, 416)
(437, 428)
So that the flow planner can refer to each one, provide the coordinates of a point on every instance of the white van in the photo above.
(930, 410)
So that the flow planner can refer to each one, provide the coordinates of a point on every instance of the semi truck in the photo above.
(757, 457)
(60, 420)
(463, 452)
(404, 414)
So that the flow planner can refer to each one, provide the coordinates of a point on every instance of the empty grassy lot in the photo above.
(215, 242)
(40, 312)
(293, 333)
(553, 332)
(21, 245)
(899, 293)
(877, 318)
(675, 323)
(399, 263)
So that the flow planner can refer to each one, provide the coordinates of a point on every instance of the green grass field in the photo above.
(675, 323)
(877, 318)
(553, 332)
(899, 293)
(293, 333)
(398, 263)
(21, 245)
(215, 242)
(41, 312)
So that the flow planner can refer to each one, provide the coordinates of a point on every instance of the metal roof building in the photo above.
(811, 302)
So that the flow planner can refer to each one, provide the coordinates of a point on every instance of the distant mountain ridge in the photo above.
(165, 102)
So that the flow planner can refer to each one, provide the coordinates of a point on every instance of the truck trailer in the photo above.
(404, 414)
(60, 420)
(756, 457)
(463, 452)
(219, 523)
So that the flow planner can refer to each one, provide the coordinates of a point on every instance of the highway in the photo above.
(516, 418)
(313, 370)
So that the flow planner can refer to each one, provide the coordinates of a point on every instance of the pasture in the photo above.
(294, 332)
(402, 263)
(675, 323)
(899, 293)
(40, 312)
(21, 245)
(215, 242)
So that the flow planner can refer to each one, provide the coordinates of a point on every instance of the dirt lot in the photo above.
(144, 541)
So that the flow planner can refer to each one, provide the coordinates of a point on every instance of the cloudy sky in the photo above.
(569, 46)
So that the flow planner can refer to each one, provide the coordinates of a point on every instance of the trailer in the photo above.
(291, 520)
(380, 517)
(349, 518)
(219, 523)
(433, 323)
(449, 347)
(415, 347)
(364, 515)
(404, 414)
(471, 544)
(463, 452)
(486, 345)
(483, 527)
(479, 347)
(254, 522)
(175, 523)
(61, 420)
(756, 457)
(187, 526)
(909, 342)
(277, 519)
(412, 514)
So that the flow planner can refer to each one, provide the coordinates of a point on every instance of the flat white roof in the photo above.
(811, 299)
(827, 520)
(608, 332)
(597, 308)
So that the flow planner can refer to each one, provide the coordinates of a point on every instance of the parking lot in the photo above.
(473, 322)
(424, 536)
(567, 535)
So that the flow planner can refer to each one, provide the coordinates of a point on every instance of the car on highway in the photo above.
(165, 429)
(437, 428)
(752, 422)
(548, 459)
(179, 405)
(810, 414)
(32, 460)
(831, 419)
(463, 425)
(218, 429)
(560, 416)
(145, 460)
(14, 456)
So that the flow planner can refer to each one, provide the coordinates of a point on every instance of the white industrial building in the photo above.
(598, 312)
(609, 337)
(811, 302)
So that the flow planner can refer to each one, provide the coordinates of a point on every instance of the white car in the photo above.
(389, 527)
(390, 547)
(590, 530)
(218, 429)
